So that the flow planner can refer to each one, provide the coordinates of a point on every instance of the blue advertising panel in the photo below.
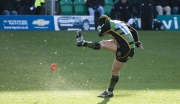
(170, 22)
(27, 22)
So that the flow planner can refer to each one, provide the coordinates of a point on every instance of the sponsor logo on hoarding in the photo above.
(41, 22)
(170, 22)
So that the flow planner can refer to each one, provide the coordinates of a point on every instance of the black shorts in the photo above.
(124, 55)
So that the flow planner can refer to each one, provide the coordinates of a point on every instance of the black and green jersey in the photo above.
(120, 33)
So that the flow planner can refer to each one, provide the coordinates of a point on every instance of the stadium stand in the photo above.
(107, 6)
(66, 7)
(80, 7)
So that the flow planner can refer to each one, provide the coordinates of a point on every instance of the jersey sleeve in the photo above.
(134, 33)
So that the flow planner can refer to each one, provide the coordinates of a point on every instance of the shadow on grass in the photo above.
(122, 95)
(105, 101)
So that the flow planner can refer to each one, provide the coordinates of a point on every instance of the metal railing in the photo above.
(51, 7)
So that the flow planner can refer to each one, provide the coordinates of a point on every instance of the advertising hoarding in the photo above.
(26, 23)
(74, 22)
(170, 22)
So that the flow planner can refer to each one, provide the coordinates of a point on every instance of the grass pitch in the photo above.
(152, 76)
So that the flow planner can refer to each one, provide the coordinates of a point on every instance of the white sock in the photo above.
(109, 92)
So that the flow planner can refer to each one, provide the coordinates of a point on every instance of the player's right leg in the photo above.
(79, 38)
(109, 45)
(105, 44)
(80, 42)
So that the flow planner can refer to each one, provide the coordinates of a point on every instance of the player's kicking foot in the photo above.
(106, 94)
(79, 39)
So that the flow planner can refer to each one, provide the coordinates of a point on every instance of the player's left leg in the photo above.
(116, 67)
(121, 58)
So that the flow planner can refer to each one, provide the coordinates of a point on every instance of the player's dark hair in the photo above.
(103, 19)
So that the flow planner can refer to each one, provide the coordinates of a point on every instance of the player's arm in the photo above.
(136, 37)
(102, 30)
(134, 33)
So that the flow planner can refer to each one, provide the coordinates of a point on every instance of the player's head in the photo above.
(103, 19)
